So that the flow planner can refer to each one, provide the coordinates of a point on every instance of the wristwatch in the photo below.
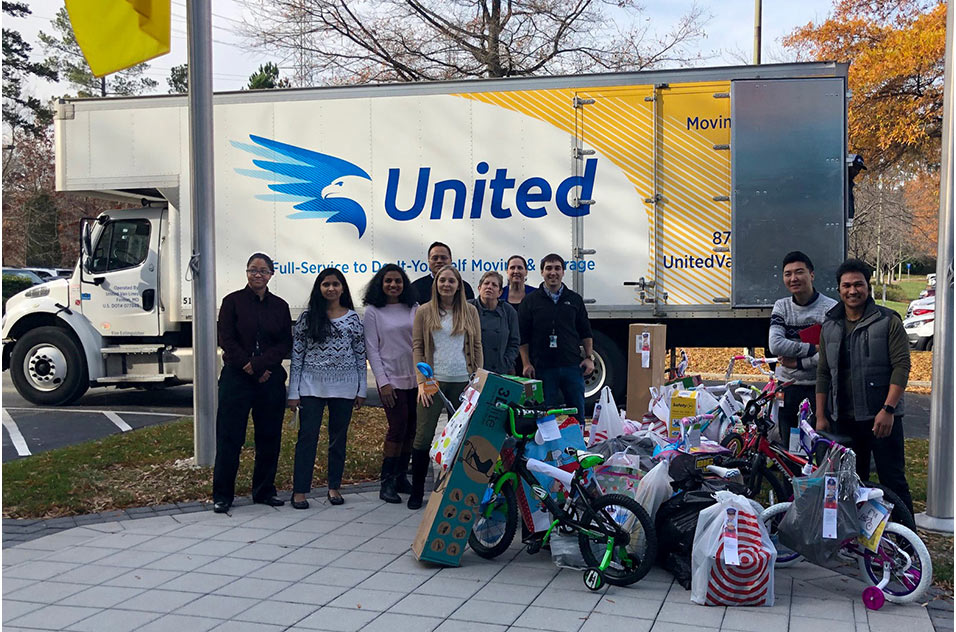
(889, 409)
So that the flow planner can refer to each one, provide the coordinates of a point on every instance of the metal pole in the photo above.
(758, 19)
(939, 484)
(201, 206)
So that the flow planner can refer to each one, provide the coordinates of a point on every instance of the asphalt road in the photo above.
(28, 429)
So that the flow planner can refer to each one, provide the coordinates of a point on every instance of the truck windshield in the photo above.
(121, 244)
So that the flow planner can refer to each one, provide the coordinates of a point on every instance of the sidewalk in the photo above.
(350, 568)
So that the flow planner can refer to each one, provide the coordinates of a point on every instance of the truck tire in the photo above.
(609, 370)
(48, 367)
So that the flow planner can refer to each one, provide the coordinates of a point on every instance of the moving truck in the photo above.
(673, 196)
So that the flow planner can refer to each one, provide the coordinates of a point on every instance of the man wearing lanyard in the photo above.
(554, 326)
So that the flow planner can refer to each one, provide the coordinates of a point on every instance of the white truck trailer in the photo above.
(673, 196)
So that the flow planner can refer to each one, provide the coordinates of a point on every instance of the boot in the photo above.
(419, 473)
(387, 493)
(402, 486)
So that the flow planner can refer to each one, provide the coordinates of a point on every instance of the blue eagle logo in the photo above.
(322, 185)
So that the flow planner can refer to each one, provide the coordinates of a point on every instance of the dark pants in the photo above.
(401, 422)
(887, 452)
(240, 393)
(563, 386)
(789, 412)
(428, 417)
(311, 410)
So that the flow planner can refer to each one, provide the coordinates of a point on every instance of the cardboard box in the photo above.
(688, 381)
(643, 372)
(533, 390)
(683, 404)
(446, 523)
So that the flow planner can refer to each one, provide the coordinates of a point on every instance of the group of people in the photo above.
(850, 358)
(508, 328)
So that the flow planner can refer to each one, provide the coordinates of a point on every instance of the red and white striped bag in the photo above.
(733, 557)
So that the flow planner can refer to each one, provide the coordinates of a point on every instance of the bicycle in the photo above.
(615, 535)
(898, 568)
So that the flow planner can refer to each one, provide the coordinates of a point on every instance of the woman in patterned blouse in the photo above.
(328, 370)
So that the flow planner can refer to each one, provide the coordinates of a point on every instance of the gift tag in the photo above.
(871, 514)
(731, 554)
(645, 350)
(830, 494)
(794, 441)
(548, 427)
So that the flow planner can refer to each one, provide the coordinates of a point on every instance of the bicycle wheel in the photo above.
(910, 568)
(631, 561)
(901, 513)
(495, 527)
(771, 518)
(757, 479)
(733, 442)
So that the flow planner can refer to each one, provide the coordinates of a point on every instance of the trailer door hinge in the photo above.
(721, 198)
(579, 203)
(721, 299)
(577, 253)
(654, 199)
(578, 152)
(65, 111)
(578, 102)
(721, 147)
(721, 95)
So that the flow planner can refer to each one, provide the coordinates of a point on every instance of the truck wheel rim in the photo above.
(595, 382)
(45, 367)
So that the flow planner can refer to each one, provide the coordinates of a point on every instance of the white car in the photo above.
(920, 322)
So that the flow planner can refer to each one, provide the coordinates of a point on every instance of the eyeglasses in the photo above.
(258, 272)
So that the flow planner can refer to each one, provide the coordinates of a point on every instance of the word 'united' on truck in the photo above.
(673, 196)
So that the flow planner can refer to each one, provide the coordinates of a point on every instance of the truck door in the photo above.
(120, 280)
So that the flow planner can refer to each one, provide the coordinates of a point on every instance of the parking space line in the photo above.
(18, 441)
(93, 411)
(117, 421)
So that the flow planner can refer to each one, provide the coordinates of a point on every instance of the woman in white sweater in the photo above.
(328, 370)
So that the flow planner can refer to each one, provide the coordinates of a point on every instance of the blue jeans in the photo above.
(563, 386)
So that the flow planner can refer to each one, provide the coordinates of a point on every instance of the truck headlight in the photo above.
(38, 291)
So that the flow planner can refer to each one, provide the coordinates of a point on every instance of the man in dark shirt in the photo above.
(255, 333)
(861, 376)
(439, 255)
(554, 326)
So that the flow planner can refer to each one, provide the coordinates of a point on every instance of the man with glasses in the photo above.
(439, 255)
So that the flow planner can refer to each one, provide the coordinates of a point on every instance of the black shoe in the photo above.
(335, 500)
(274, 501)
(402, 484)
(387, 493)
(221, 506)
(415, 502)
(299, 504)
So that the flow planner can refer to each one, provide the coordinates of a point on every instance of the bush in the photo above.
(13, 285)
(894, 293)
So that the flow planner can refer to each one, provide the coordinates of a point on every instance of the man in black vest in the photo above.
(861, 376)
(439, 255)
(554, 326)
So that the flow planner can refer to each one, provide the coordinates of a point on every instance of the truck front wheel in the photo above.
(48, 368)
(609, 370)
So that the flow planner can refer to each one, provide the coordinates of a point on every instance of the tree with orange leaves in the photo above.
(895, 49)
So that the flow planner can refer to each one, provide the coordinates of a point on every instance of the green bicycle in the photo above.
(615, 534)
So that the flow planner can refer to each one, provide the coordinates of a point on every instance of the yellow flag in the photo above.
(117, 34)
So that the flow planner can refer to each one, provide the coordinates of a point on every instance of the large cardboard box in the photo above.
(646, 361)
(443, 532)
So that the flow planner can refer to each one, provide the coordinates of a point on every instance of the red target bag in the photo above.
(733, 557)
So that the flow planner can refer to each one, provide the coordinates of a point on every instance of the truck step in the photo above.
(131, 349)
(126, 379)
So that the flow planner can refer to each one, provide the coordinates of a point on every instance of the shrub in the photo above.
(13, 285)
(894, 293)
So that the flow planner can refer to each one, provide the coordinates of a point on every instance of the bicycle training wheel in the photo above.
(910, 567)
(733, 442)
(497, 521)
(771, 518)
(630, 561)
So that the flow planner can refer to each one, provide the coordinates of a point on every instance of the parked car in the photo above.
(64, 273)
(920, 322)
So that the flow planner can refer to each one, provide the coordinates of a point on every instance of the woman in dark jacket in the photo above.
(255, 333)
(499, 325)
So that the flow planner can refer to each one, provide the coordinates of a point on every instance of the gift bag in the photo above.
(606, 423)
(733, 557)
(621, 473)
(654, 489)
(445, 446)
(823, 513)
(552, 453)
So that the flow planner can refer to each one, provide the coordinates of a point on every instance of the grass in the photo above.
(149, 467)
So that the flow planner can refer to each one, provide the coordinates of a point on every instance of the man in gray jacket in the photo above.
(861, 377)
(794, 336)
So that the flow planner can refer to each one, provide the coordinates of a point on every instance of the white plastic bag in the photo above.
(654, 489)
(606, 422)
(733, 556)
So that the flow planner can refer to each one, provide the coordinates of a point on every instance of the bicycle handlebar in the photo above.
(535, 413)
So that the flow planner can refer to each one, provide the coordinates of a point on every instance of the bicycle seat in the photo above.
(586, 459)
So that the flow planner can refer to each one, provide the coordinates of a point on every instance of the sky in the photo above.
(729, 36)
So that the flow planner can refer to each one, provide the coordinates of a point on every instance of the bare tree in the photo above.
(337, 41)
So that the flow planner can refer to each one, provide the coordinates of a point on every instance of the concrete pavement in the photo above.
(350, 568)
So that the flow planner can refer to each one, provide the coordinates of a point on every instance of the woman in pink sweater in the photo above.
(389, 313)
